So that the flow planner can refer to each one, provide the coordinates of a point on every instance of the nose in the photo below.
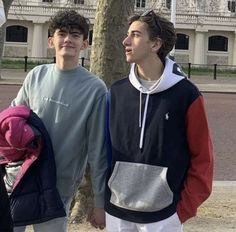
(67, 37)
(126, 41)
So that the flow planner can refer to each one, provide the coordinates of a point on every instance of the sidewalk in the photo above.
(220, 85)
(12, 76)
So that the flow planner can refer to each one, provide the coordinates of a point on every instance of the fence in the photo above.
(215, 70)
(28, 63)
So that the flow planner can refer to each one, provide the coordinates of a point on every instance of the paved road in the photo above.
(221, 110)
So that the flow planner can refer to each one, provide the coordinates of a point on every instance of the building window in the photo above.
(168, 4)
(81, 2)
(182, 41)
(218, 43)
(50, 1)
(16, 34)
(140, 3)
(231, 6)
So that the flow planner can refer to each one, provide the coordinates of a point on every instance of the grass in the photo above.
(20, 64)
(226, 71)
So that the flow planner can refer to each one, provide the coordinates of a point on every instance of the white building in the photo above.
(206, 29)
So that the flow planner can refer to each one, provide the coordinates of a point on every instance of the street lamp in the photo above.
(173, 20)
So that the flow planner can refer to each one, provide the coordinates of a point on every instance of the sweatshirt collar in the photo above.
(171, 75)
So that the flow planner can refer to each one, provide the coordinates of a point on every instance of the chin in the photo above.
(129, 60)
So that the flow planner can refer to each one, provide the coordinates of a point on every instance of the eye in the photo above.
(61, 34)
(76, 35)
(135, 34)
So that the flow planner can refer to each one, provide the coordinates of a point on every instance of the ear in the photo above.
(84, 44)
(156, 45)
(50, 42)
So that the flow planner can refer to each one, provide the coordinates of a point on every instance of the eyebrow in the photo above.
(71, 31)
(75, 33)
(135, 31)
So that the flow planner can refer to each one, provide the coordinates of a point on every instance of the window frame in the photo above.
(184, 44)
(215, 41)
(140, 3)
(22, 32)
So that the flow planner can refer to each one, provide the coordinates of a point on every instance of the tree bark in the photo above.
(107, 56)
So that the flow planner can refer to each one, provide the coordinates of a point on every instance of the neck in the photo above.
(150, 70)
(66, 64)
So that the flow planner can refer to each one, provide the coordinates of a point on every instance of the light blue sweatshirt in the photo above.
(72, 107)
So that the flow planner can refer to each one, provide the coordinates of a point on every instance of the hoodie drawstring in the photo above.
(144, 118)
(140, 109)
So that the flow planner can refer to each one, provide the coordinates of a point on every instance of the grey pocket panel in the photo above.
(140, 187)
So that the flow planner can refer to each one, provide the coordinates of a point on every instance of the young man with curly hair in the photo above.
(71, 103)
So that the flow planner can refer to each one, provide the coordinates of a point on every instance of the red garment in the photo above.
(198, 184)
(17, 139)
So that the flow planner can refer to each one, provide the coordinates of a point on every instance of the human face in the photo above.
(67, 43)
(138, 46)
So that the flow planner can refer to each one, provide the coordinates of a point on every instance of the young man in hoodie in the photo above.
(161, 159)
(71, 102)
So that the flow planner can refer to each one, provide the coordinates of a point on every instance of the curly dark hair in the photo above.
(69, 19)
(158, 27)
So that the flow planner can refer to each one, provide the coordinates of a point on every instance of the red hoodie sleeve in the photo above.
(198, 183)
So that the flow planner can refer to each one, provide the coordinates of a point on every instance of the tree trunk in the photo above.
(107, 56)
(108, 62)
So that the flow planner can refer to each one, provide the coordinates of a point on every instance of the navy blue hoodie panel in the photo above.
(165, 140)
(165, 123)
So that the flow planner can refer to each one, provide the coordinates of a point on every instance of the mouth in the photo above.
(128, 50)
(66, 46)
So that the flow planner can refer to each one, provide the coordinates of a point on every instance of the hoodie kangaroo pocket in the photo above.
(140, 187)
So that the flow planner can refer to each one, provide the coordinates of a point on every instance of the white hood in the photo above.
(171, 75)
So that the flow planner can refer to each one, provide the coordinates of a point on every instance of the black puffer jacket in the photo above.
(35, 198)
(6, 224)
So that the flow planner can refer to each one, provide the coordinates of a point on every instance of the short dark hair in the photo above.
(69, 19)
(158, 27)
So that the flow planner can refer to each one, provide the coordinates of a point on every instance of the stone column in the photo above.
(234, 50)
(199, 48)
(38, 37)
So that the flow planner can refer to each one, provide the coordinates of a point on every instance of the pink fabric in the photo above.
(16, 138)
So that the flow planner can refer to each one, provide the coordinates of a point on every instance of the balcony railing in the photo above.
(189, 17)
(22, 11)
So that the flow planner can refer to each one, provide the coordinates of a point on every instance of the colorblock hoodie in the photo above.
(161, 158)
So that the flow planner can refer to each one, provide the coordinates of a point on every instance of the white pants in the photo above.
(171, 224)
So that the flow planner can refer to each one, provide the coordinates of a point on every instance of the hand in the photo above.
(96, 217)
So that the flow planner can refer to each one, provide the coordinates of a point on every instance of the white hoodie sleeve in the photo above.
(2, 14)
